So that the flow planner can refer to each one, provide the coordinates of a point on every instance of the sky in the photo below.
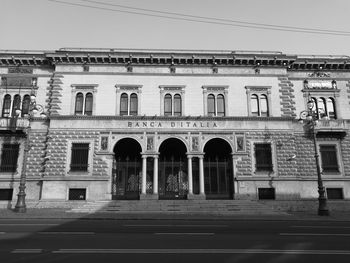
(54, 24)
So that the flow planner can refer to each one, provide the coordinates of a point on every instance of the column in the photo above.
(190, 180)
(201, 176)
(144, 173)
(155, 175)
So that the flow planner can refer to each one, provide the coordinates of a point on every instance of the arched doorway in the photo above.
(126, 174)
(173, 179)
(218, 176)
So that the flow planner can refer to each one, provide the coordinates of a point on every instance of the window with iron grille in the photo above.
(9, 157)
(329, 158)
(77, 194)
(335, 193)
(6, 194)
(80, 157)
(263, 157)
(266, 193)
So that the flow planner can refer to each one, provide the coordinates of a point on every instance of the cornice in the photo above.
(167, 118)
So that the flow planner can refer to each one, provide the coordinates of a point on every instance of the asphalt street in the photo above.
(77, 240)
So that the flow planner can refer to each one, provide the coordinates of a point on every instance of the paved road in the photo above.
(53, 240)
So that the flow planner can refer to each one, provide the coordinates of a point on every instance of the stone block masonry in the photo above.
(287, 97)
(58, 148)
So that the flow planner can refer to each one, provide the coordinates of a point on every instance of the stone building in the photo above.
(166, 124)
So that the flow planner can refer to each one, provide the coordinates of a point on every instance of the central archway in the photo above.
(173, 179)
(126, 174)
(218, 175)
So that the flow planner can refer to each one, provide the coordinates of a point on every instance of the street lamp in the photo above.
(311, 116)
(33, 110)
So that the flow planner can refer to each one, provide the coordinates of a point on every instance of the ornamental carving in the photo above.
(319, 74)
(21, 70)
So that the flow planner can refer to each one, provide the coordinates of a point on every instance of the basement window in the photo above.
(77, 194)
(335, 193)
(266, 193)
(6, 194)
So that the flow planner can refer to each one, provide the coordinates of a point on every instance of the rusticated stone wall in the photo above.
(58, 146)
(287, 97)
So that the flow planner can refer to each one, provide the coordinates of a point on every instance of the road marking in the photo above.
(175, 225)
(27, 250)
(66, 233)
(1, 233)
(201, 251)
(175, 233)
(313, 234)
(20, 224)
(321, 227)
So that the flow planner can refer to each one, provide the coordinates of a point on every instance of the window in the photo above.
(124, 104)
(79, 157)
(6, 106)
(25, 105)
(177, 105)
(216, 106)
(325, 107)
(259, 100)
(88, 104)
(133, 104)
(329, 160)
(77, 194)
(172, 100)
(334, 193)
(172, 105)
(167, 105)
(259, 105)
(263, 157)
(83, 106)
(266, 193)
(9, 157)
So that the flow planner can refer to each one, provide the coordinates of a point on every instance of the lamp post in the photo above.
(33, 109)
(311, 116)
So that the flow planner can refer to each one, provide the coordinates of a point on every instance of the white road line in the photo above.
(175, 225)
(1, 233)
(66, 233)
(341, 227)
(20, 224)
(201, 251)
(314, 234)
(175, 233)
(29, 250)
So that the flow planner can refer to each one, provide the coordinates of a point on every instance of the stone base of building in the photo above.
(149, 196)
(196, 197)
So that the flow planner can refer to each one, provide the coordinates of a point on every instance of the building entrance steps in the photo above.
(224, 207)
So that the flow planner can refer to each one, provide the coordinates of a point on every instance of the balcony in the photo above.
(13, 124)
(331, 127)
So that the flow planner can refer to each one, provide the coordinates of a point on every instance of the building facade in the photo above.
(155, 124)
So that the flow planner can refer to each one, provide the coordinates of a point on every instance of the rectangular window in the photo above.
(6, 194)
(77, 194)
(329, 158)
(263, 157)
(9, 157)
(266, 193)
(335, 193)
(80, 157)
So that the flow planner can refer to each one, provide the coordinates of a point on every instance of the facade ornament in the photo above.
(319, 74)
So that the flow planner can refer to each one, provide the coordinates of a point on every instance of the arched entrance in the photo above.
(218, 176)
(126, 174)
(173, 179)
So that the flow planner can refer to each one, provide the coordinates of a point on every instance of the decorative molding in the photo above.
(319, 74)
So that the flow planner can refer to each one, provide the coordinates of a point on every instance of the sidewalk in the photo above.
(54, 213)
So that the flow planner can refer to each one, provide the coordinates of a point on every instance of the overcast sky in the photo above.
(49, 25)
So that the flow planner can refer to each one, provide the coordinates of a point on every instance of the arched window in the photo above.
(79, 102)
(25, 105)
(220, 105)
(133, 104)
(254, 105)
(211, 105)
(88, 104)
(16, 104)
(124, 104)
(167, 105)
(331, 108)
(264, 110)
(321, 105)
(177, 105)
(6, 106)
